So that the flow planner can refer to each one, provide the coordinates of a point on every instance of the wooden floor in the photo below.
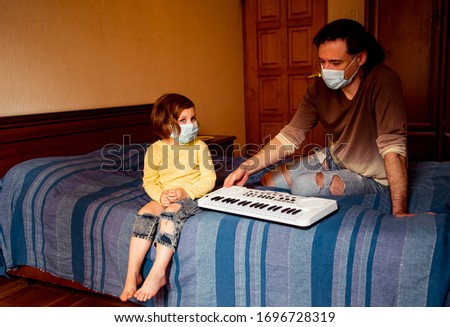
(21, 292)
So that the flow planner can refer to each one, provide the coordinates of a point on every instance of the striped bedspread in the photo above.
(72, 217)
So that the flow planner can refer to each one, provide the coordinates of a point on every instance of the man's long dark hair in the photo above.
(356, 37)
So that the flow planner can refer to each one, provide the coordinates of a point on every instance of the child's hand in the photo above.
(164, 199)
(176, 194)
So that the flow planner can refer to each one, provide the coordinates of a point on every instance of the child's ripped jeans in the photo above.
(146, 225)
(318, 174)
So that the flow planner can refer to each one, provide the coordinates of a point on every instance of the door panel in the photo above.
(279, 57)
(415, 38)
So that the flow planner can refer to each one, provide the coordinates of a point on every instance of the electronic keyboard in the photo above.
(269, 205)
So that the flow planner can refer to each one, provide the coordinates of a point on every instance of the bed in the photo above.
(70, 216)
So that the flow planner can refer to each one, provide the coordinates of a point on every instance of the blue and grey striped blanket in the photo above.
(72, 217)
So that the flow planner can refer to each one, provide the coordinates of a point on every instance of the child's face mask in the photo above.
(187, 134)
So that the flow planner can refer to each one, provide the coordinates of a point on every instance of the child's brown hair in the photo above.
(165, 114)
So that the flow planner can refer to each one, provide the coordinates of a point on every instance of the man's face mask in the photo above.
(187, 134)
(335, 79)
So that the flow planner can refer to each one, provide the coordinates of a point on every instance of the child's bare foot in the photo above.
(152, 284)
(131, 283)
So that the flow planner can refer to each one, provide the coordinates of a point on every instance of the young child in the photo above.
(178, 169)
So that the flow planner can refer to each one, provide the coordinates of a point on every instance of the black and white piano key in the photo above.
(257, 205)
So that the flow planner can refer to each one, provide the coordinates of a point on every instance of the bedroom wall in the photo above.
(59, 55)
(352, 9)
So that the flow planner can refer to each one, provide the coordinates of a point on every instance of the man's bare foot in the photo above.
(152, 284)
(131, 283)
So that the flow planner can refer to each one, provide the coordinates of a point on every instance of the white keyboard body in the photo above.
(274, 206)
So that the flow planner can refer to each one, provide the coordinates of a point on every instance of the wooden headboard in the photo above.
(71, 132)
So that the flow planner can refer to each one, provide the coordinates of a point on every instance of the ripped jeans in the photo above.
(145, 225)
(317, 175)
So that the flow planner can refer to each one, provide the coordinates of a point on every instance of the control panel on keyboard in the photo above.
(269, 205)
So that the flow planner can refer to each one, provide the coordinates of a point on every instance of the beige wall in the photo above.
(353, 9)
(59, 55)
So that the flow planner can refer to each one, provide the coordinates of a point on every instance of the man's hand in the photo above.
(238, 177)
(270, 154)
(412, 214)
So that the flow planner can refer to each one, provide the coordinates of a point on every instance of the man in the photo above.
(359, 101)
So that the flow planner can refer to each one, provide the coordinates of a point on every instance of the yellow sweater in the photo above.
(178, 166)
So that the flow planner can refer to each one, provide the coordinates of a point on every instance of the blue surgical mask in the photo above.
(187, 134)
(335, 79)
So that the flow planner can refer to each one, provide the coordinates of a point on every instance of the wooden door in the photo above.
(279, 60)
(446, 101)
(415, 37)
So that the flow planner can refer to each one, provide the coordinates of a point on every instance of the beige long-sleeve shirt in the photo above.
(178, 166)
(359, 131)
